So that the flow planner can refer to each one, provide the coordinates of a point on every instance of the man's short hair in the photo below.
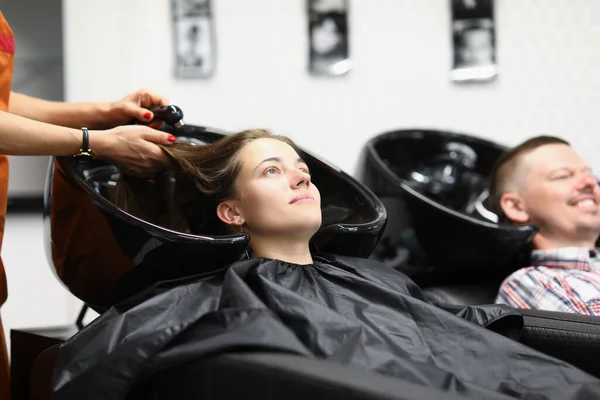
(504, 171)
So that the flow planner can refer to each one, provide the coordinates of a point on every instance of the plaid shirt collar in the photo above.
(567, 258)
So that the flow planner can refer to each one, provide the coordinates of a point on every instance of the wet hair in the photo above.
(505, 171)
(185, 197)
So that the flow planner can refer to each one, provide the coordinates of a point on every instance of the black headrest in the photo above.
(93, 243)
(434, 184)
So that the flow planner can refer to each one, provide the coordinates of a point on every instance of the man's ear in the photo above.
(513, 207)
(229, 213)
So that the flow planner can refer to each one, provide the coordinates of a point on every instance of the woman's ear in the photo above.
(514, 208)
(229, 213)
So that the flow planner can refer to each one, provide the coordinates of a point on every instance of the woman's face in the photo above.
(275, 192)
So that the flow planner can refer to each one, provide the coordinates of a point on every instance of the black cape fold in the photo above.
(348, 310)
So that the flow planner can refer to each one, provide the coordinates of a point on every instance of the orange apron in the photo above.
(7, 51)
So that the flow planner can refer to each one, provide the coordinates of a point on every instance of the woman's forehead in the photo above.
(260, 149)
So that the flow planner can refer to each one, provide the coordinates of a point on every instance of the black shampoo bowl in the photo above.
(434, 187)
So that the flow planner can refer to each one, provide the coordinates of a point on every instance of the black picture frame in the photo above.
(329, 53)
(474, 41)
(194, 44)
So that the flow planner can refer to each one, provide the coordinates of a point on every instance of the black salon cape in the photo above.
(347, 310)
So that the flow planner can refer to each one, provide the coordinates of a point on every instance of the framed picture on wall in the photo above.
(193, 36)
(328, 37)
(474, 42)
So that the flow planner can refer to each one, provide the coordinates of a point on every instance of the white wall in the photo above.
(548, 54)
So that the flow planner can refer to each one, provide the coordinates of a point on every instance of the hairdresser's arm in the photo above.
(130, 147)
(91, 115)
(23, 136)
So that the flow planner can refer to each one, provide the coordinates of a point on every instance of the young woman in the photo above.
(283, 298)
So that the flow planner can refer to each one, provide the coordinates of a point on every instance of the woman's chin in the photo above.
(306, 228)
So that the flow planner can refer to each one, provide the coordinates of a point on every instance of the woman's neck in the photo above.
(289, 250)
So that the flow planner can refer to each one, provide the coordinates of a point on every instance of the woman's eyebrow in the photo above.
(277, 159)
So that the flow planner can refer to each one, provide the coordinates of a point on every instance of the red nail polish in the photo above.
(147, 115)
(171, 138)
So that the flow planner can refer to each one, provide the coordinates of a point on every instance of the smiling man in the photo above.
(545, 183)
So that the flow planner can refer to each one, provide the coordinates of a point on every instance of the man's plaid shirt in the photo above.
(566, 279)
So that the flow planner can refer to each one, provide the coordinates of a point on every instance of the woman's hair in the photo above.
(185, 197)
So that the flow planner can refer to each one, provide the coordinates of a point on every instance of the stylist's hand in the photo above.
(132, 148)
(136, 105)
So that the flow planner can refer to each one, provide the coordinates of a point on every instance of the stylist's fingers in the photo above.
(154, 160)
(157, 124)
(143, 158)
(158, 137)
(133, 110)
(134, 148)
(149, 99)
(139, 105)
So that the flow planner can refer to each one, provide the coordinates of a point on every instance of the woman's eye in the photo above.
(271, 171)
(305, 169)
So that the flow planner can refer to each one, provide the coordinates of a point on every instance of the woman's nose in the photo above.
(301, 179)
